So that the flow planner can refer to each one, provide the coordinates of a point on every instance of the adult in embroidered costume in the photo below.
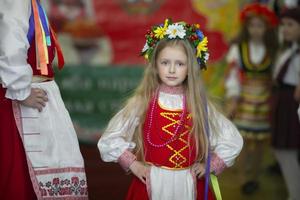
(248, 86)
(39, 151)
(286, 99)
(168, 134)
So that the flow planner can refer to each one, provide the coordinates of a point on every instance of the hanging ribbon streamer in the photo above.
(42, 56)
(40, 27)
(208, 175)
(215, 186)
(44, 24)
(59, 53)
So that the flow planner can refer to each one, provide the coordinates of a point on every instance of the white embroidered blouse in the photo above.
(116, 141)
(15, 73)
(257, 54)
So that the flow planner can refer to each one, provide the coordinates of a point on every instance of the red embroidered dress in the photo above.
(168, 148)
(179, 154)
(176, 155)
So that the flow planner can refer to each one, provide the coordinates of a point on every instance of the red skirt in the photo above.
(15, 182)
(138, 190)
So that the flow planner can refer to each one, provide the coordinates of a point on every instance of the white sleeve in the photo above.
(15, 73)
(233, 54)
(226, 141)
(117, 137)
(232, 83)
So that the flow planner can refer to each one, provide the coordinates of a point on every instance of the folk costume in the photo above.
(249, 79)
(48, 149)
(169, 148)
(285, 119)
(249, 84)
(170, 176)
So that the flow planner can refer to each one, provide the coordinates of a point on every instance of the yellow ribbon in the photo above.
(215, 186)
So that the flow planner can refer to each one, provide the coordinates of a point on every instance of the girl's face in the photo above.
(172, 65)
(256, 28)
(290, 29)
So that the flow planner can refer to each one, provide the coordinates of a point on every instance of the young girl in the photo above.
(39, 151)
(168, 134)
(286, 99)
(248, 86)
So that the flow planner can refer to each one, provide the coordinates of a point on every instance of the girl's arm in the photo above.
(226, 141)
(232, 82)
(15, 73)
(115, 145)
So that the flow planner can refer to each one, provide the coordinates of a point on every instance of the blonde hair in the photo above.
(196, 98)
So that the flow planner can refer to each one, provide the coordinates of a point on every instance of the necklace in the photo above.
(265, 63)
(181, 122)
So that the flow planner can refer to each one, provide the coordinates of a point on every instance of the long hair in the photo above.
(270, 38)
(194, 92)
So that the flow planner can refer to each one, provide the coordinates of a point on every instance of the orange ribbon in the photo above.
(41, 55)
(42, 60)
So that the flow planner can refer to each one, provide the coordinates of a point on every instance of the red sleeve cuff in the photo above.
(126, 159)
(217, 164)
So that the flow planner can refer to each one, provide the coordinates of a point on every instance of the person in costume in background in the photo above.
(168, 134)
(40, 156)
(248, 86)
(286, 99)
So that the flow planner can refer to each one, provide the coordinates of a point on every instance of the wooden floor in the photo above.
(107, 181)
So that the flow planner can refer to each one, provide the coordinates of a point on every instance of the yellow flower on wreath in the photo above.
(160, 32)
(202, 46)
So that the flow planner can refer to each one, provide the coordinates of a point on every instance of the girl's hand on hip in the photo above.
(139, 170)
(198, 169)
(37, 99)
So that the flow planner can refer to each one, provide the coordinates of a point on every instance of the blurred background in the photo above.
(102, 40)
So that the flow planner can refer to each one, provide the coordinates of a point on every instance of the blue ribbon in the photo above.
(207, 167)
(44, 21)
(30, 33)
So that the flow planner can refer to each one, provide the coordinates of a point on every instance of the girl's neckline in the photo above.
(171, 89)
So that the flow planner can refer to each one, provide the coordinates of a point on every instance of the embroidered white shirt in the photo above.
(226, 142)
(15, 72)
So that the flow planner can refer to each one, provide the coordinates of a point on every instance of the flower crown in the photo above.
(257, 9)
(178, 30)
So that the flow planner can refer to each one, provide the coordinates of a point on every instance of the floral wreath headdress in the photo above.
(257, 9)
(178, 30)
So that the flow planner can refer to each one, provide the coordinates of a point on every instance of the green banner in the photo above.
(93, 95)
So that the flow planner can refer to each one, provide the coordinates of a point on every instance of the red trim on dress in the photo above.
(59, 170)
(180, 153)
(217, 164)
(17, 115)
(126, 159)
